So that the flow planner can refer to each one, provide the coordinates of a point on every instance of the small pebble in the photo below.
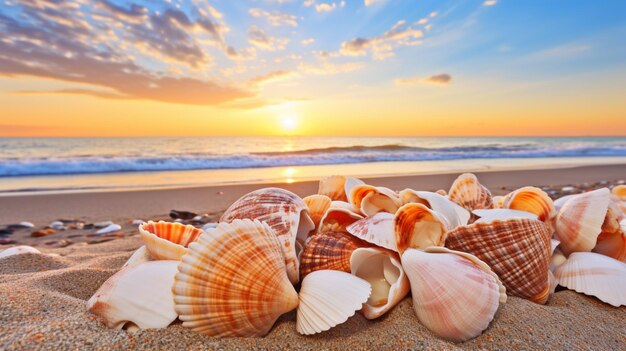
(78, 225)
(197, 218)
(567, 189)
(102, 224)
(43, 232)
(6, 231)
(110, 228)
(175, 214)
(26, 224)
(209, 226)
(178, 220)
(220, 193)
(57, 225)
(6, 241)
(137, 221)
(65, 242)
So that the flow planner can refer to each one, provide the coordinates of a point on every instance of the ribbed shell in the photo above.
(329, 250)
(455, 295)
(380, 200)
(416, 226)
(468, 193)
(333, 187)
(232, 281)
(596, 275)
(377, 229)
(286, 214)
(338, 217)
(167, 240)
(518, 250)
(317, 205)
(533, 200)
(454, 214)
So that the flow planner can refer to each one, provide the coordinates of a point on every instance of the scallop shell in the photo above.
(533, 200)
(329, 250)
(493, 214)
(329, 298)
(468, 193)
(138, 295)
(455, 295)
(317, 205)
(596, 275)
(377, 229)
(333, 187)
(232, 281)
(454, 214)
(383, 270)
(518, 250)
(416, 226)
(17, 250)
(579, 222)
(338, 217)
(286, 214)
(167, 240)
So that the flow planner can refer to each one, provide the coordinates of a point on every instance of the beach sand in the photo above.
(42, 297)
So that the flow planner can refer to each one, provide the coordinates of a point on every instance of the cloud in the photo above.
(325, 7)
(489, 2)
(371, 2)
(258, 38)
(274, 76)
(275, 18)
(308, 41)
(329, 68)
(561, 52)
(439, 79)
(383, 46)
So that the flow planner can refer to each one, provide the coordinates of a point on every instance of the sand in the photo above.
(42, 297)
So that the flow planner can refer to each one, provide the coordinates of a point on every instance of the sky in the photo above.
(312, 67)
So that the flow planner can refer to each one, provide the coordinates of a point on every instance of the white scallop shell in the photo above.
(377, 229)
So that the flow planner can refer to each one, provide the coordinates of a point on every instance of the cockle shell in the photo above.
(167, 240)
(284, 212)
(338, 217)
(333, 187)
(232, 281)
(518, 250)
(493, 214)
(454, 214)
(377, 229)
(317, 205)
(596, 275)
(383, 270)
(329, 298)
(531, 199)
(138, 295)
(468, 193)
(455, 295)
(329, 250)
(416, 226)
(17, 250)
(371, 200)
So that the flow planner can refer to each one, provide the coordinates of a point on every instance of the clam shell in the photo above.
(329, 298)
(317, 205)
(333, 187)
(596, 275)
(167, 240)
(455, 295)
(286, 214)
(232, 281)
(518, 250)
(338, 217)
(383, 270)
(468, 193)
(17, 250)
(533, 200)
(139, 295)
(454, 214)
(377, 229)
(416, 226)
(329, 250)
(493, 214)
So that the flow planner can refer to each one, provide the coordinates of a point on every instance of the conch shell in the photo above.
(167, 240)
(468, 193)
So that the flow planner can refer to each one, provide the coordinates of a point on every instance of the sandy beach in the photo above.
(42, 297)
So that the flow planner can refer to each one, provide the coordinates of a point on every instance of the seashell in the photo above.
(26, 224)
(317, 205)
(140, 256)
(102, 224)
(416, 226)
(558, 203)
(377, 229)
(208, 226)
(455, 295)
(351, 183)
(498, 201)
(442, 192)
(286, 214)
(612, 240)
(371, 200)
(518, 251)
(596, 275)
(333, 187)
(619, 191)
(329, 250)
(329, 298)
(167, 240)
(233, 282)
(533, 200)
(383, 270)
(57, 225)
(18, 250)
(139, 295)
(109, 229)
(454, 214)
(338, 217)
(493, 214)
(557, 259)
(468, 193)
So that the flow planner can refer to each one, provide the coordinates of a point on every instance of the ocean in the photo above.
(38, 165)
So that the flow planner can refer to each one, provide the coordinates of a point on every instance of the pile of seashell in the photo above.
(356, 247)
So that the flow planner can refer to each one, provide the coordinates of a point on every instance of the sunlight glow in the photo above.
(289, 123)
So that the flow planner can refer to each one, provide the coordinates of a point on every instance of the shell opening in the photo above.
(377, 269)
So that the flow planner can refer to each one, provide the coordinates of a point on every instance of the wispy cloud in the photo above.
(330, 68)
(383, 46)
(274, 76)
(439, 79)
(490, 2)
(307, 41)
(371, 2)
(565, 51)
(258, 38)
(275, 18)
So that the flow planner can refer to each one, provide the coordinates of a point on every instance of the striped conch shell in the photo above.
(371, 200)
(329, 298)
(454, 214)
(416, 226)
(232, 281)
(333, 187)
(468, 193)
(455, 295)
(377, 229)
(596, 275)
(383, 270)
(139, 295)
(533, 200)
(338, 217)
(329, 250)
(518, 250)
(167, 240)
(317, 205)
(286, 214)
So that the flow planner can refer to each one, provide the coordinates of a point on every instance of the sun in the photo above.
(289, 123)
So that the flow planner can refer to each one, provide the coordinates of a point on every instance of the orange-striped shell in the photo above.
(317, 205)
(329, 250)
(467, 192)
(333, 187)
(338, 217)
(612, 240)
(533, 200)
(371, 200)
(285, 212)
(232, 281)
(416, 226)
(518, 250)
(167, 240)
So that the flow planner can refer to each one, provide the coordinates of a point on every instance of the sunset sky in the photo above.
(312, 67)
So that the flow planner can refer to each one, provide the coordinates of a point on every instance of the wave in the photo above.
(86, 164)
